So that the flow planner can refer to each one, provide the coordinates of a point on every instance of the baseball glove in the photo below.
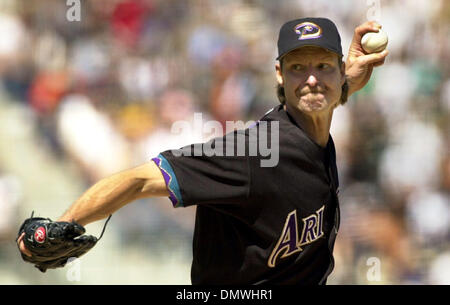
(53, 243)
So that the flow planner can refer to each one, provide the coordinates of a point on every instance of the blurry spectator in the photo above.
(46, 91)
(369, 223)
(90, 139)
(89, 60)
(445, 97)
(367, 139)
(10, 196)
(127, 20)
(135, 121)
(394, 88)
(413, 158)
(340, 129)
(429, 217)
(141, 78)
(439, 271)
(15, 67)
(175, 105)
(13, 40)
(204, 44)
(231, 90)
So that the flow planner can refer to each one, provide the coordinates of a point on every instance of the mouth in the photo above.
(308, 93)
(312, 100)
(311, 96)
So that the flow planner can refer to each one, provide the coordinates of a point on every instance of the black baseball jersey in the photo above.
(258, 222)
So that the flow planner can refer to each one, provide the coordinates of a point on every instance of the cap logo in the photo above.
(308, 30)
(39, 235)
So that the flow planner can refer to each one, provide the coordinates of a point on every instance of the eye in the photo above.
(298, 67)
(324, 66)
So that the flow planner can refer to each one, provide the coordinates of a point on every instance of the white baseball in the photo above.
(374, 42)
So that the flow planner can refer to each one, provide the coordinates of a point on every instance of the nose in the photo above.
(312, 80)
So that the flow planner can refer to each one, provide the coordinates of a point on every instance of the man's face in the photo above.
(312, 79)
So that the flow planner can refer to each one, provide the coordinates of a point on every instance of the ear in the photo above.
(342, 73)
(279, 74)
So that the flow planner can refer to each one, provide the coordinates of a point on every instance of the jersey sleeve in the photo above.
(194, 177)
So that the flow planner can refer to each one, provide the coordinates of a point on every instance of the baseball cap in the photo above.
(309, 31)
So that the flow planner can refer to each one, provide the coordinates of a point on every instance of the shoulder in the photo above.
(277, 123)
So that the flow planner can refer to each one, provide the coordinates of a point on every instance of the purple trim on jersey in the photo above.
(254, 124)
(170, 180)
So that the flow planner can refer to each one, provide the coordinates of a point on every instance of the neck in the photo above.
(317, 126)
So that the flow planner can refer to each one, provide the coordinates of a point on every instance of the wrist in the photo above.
(351, 87)
(65, 218)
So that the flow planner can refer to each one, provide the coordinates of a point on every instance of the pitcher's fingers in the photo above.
(22, 247)
(380, 63)
(373, 58)
(369, 26)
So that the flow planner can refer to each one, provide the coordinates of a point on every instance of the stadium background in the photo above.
(83, 99)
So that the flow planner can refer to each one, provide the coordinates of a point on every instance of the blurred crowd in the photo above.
(80, 100)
